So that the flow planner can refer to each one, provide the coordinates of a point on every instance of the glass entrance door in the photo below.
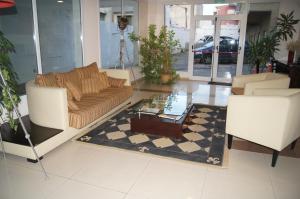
(203, 48)
(217, 48)
(228, 48)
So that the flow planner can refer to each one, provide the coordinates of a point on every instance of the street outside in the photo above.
(224, 70)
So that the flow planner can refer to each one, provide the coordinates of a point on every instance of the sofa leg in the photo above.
(33, 161)
(293, 145)
(230, 137)
(274, 157)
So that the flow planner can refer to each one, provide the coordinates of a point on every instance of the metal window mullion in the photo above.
(36, 37)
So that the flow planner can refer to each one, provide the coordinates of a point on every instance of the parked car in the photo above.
(228, 51)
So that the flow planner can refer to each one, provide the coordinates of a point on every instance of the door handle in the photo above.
(239, 50)
(217, 49)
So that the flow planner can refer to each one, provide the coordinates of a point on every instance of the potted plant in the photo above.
(6, 105)
(156, 51)
(170, 45)
(263, 46)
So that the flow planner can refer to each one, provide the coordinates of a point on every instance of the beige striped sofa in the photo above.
(53, 102)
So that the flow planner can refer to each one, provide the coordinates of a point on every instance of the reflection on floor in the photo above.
(84, 171)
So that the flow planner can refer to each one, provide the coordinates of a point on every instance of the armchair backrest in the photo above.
(272, 120)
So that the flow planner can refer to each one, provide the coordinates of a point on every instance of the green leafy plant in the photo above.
(6, 47)
(157, 51)
(263, 46)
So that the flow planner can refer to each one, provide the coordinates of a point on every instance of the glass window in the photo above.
(177, 18)
(110, 12)
(17, 25)
(59, 31)
(219, 9)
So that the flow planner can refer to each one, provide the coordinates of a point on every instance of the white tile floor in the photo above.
(86, 171)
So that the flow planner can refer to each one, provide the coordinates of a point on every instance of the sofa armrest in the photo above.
(273, 83)
(118, 73)
(241, 80)
(47, 106)
(260, 119)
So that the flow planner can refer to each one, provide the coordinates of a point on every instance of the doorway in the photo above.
(217, 48)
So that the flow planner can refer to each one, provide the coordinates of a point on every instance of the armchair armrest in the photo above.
(118, 73)
(275, 92)
(47, 106)
(282, 83)
(260, 119)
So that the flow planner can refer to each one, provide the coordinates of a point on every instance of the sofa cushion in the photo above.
(48, 80)
(87, 71)
(90, 86)
(103, 83)
(116, 82)
(72, 106)
(94, 106)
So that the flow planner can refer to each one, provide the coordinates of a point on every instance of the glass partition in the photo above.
(110, 12)
(17, 25)
(59, 32)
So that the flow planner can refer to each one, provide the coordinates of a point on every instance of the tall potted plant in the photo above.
(6, 105)
(156, 51)
(263, 46)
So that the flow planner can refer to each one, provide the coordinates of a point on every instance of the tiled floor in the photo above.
(86, 171)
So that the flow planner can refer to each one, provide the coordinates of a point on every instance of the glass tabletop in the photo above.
(166, 105)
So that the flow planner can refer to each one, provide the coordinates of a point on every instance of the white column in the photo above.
(90, 19)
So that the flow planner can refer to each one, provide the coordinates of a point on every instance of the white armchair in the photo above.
(270, 117)
(246, 84)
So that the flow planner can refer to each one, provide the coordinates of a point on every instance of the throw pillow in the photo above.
(75, 91)
(71, 76)
(72, 106)
(86, 72)
(48, 80)
(90, 85)
(103, 83)
(116, 82)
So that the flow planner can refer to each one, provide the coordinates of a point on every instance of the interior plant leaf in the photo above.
(9, 93)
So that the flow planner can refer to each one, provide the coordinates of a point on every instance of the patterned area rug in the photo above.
(203, 139)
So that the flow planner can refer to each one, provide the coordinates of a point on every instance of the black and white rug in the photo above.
(203, 139)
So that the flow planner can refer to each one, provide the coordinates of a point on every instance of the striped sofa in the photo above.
(90, 93)
(75, 102)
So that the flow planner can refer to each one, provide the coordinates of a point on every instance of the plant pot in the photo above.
(165, 78)
(291, 57)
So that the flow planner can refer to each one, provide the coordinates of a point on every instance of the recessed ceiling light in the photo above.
(60, 1)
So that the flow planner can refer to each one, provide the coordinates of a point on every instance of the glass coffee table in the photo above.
(162, 114)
